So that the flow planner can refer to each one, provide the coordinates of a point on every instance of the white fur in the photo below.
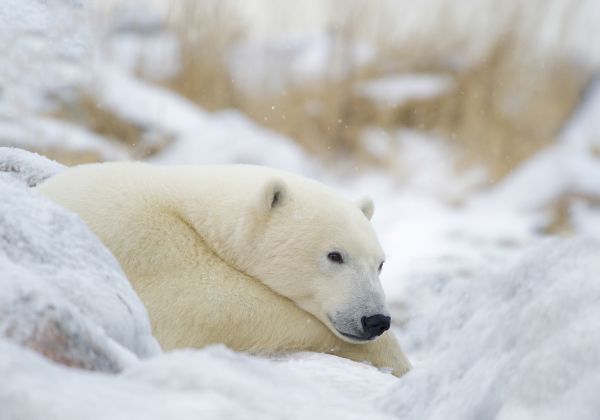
(238, 255)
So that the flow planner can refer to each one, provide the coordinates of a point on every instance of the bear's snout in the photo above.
(375, 325)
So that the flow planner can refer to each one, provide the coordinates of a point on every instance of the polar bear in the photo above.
(261, 260)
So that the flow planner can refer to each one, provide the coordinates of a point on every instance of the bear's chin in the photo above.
(354, 339)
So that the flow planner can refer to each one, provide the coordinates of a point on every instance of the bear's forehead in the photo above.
(352, 233)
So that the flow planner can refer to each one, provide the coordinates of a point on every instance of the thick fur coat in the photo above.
(239, 255)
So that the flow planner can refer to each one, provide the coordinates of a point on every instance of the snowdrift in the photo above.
(516, 342)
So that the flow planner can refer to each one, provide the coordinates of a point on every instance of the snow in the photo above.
(397, 90)
(278, 64)
(27, 167)
(58, 279)
(569, 166)
(201, 138)
(408, 149)
(46, 50)
(515, 342)
(542, 27)
(48, 134)
(212, 384)
(137, 40)
(45, 47)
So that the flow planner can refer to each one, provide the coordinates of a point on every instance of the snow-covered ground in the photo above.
(499, 320)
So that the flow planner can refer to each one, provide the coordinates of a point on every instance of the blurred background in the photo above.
(473, 124)
(456, 115)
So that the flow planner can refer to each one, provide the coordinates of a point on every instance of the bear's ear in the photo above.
(366, 205)
(272, 195)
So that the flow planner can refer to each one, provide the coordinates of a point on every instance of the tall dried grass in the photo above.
(506, 104)
(320, 115)
(207, 29)
(504, 109)
(83, 109)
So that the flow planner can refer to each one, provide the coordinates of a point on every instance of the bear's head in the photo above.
(319, 250)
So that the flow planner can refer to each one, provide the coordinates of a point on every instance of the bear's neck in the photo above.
(220, 211)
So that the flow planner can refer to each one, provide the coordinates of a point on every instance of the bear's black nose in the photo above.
(375, 325)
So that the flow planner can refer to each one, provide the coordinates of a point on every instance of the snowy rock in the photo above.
(29, 168)
(63, 293)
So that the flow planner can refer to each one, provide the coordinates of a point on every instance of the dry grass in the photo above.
(560, 220)
(323, 116)
(208, 29)
(506, 106)
(503, 110)
(67, 156)
(320, 115)
(83, 110)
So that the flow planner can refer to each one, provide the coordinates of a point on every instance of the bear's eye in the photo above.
(335, 257)
(380, 266)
